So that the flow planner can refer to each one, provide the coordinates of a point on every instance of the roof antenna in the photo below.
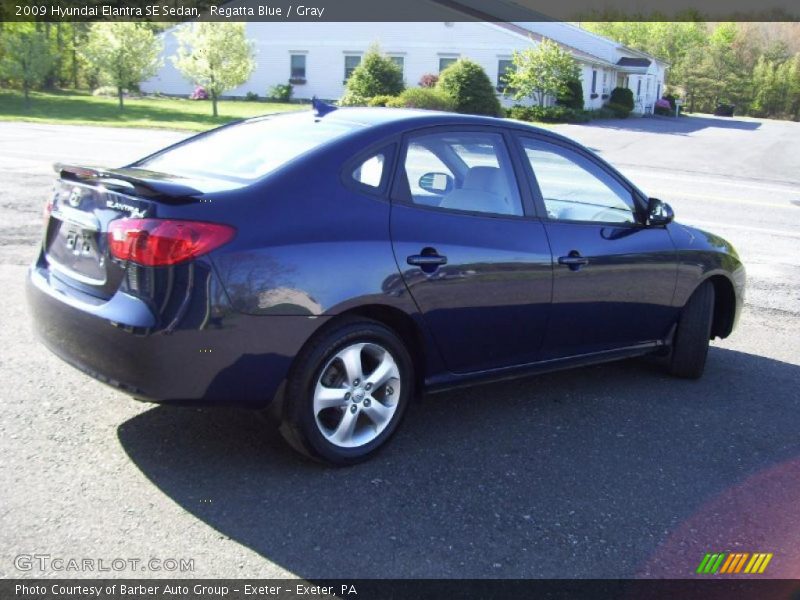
(321, 108)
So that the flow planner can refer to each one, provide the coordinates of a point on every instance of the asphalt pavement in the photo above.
(609, 471)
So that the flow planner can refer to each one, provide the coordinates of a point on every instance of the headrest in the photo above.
(485, 179)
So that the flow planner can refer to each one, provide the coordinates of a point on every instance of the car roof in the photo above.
(400, 119)
(413, 116)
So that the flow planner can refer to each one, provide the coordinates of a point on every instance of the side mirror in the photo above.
(659, 213)
(436, 183)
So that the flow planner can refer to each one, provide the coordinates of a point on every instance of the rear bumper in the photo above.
(232, 359)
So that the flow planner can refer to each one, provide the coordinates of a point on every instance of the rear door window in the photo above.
(469, 171)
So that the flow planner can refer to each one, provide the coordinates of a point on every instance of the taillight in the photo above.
(46, 211)
(164, 242)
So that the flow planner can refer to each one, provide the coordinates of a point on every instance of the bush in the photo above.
(469, 85)
(622, 97)
(377, 75)
(620, 111)
(251, 97)
(549, 114)
(662, 107)
(350, 99)
(428, 98)
(601, 113)
(559, 114)
(573, 98)
(428, 80)
(380, 100)
(199, 93)
(519, 112)
(281, 92)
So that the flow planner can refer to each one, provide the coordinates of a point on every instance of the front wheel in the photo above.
(348, 393)
(690, 345)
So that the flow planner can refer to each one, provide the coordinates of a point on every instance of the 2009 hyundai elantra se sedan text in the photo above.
(330, 265)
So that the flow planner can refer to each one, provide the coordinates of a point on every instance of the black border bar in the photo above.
(398, 11)
(741, 588)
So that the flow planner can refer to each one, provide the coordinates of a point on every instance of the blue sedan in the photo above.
(329, 266)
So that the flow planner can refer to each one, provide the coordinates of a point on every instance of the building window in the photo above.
(298, 68)
(350, 64)
(605, 82)
(399, 61)
(594, 81)
(639, 87)
(505, 67)
(446, 61)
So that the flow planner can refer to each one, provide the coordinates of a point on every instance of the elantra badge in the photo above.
(136, 213)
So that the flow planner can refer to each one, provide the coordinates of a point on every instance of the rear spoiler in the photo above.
(147, 184)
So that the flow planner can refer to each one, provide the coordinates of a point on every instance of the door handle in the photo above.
(426, 260)
(574, 260)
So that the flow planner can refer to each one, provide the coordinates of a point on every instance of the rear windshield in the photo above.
(247, 151)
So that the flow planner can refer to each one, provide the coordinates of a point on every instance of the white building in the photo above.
(318, 57)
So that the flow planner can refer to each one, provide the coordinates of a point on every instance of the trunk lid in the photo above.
(85, 201)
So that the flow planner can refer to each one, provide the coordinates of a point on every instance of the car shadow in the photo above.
(684, 125)
(581, 473)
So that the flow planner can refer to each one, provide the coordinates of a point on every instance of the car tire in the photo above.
(690, 343)
(347, 393)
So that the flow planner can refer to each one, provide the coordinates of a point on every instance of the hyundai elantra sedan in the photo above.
(329, 266)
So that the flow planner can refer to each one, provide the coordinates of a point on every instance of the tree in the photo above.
(469, 85)
(376, 75)
(793, 99)
(26, 57)
(573, 97)
(542, 72)
(770, 87)
(217, 56)
(669, 40)
(722, 78)
(690, 75)
(123, 54)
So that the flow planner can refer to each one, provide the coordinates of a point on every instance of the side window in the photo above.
(576, 189)
(462, 171)
(370, 172)
(428, 176)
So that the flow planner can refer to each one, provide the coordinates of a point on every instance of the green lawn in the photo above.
(81, 108)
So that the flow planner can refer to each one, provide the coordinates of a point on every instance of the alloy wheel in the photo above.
(356, 395)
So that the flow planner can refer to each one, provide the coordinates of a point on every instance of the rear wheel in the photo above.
(690, 345)
(348, 393)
